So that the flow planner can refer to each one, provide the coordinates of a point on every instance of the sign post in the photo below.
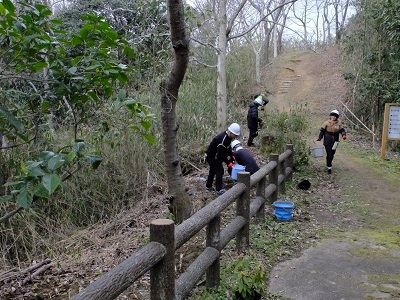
(391, 125)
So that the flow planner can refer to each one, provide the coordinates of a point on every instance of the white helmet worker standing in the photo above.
(219, 151)
(254, 121)
(259, 100)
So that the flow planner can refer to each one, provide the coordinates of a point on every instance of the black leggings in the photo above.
(252, 135)
(217, 171)
(330, 153)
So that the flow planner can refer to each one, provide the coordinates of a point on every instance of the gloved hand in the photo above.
(344, 137)
(230, 165)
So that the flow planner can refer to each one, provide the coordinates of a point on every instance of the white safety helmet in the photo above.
(259, 100)
(235, 143)
(234, 128)
(334, 113)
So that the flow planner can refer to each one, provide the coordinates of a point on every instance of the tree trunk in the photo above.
(180, 204)
(221, 68)
(266, 44)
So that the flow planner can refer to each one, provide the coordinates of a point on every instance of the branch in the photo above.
(204, 44)
(7, 77)
(192, 58)
(10, 214)
(348, 109)
(191, 164)
(124, 10)
(17, 210)
(70, 174)
(17, 145)
(275, 23)
(41, 266)
(234, 16)
(35, 89)
(261, 20)
(41, 270)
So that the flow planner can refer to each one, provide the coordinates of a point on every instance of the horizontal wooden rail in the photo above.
(187, 281)
(118, 279)
(201, 218)
(230, 231)
(264, 171)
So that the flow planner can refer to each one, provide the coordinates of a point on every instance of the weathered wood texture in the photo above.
(117, 280)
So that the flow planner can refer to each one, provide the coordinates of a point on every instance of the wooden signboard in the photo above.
(391, 125)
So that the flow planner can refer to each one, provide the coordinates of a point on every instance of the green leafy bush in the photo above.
(290, 127)
(249, 278)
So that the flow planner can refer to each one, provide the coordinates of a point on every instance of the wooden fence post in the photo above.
(273, 177)
(243, 209)
(289, 161)
(281, 170)
(162, 275)
(213, 238)
(260, 214)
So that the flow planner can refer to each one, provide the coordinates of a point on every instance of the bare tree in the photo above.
(230, 34)
(318, 5)
(327, 23)
(340, 10)
(281, 26)
(180, 203)
(221, 66)
(301, 15)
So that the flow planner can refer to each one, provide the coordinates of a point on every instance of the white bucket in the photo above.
(318, 151)
(236, 169)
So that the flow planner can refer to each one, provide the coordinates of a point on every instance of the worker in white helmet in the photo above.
(330, 131)
(218, 152)
(254, 122)
(244, 157)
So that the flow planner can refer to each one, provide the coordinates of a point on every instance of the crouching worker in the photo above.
(218, 152)
(244, 157)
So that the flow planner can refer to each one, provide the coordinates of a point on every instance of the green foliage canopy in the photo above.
(371, 46)
(46, 71)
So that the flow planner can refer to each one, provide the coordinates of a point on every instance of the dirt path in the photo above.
(359, 259)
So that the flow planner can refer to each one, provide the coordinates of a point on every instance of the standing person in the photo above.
(254, 122)
(244, 157)
(330, 131)
(219, 151)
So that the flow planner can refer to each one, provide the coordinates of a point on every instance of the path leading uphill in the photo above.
(359, 258)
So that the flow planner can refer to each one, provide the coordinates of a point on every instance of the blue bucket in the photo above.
(236, 169)
(283, 210)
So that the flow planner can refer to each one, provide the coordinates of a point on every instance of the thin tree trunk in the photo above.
(180, 203)
(266, 44)
(221, 68)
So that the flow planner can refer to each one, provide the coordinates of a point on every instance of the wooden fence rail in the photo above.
(165, 238)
